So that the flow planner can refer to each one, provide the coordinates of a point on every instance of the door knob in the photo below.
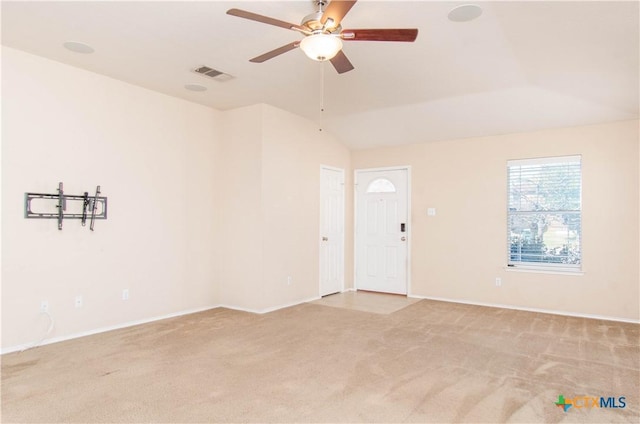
(325, 238)
(403, 238)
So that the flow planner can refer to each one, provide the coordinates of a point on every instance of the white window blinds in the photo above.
(545, 212)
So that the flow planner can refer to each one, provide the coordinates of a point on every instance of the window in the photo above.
(381, 185)
(545, 211)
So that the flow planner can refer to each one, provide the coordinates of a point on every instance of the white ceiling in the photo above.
(521, 66)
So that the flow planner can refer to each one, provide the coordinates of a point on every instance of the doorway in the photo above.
(331, 230)
(382, 230)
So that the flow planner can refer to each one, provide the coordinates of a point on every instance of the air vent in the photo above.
(212, 73)
(208, 71)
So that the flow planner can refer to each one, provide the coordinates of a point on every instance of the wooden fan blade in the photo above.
(341, 63)
(392, 34)
(264, 19)
(336, 11)
(275, 52)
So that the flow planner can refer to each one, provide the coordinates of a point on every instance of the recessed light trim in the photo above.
(195, 87)
(465, 13)
(78, 47)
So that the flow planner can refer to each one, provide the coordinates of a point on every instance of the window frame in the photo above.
(389, 187)
(543, 267)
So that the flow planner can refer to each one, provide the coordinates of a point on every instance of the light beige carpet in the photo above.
(428, 362)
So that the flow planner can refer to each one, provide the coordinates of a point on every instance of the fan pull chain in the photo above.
(321, 94)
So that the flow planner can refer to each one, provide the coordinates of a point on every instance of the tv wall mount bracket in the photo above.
(62, 206)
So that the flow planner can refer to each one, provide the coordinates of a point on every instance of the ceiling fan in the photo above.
(323, 33)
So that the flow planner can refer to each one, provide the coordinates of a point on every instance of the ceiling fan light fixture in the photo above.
(321, 47)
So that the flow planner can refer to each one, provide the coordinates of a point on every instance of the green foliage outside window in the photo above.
(545, 212)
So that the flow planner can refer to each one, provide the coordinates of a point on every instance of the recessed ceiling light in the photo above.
(465, 13)
(195, 87)
(78, 47)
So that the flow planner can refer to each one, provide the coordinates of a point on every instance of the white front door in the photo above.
(382, 230)
(331, 230)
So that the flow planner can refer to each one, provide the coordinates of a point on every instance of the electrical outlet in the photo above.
(125, 294)
(288, 280)
(78, 301)
(498, 281)
(44, 306)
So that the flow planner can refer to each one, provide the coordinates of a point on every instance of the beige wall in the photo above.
(458, 253)
(271, 179)
(239, 184)
(210, 207)
(152, 156)
(293, 151)
(203, 208)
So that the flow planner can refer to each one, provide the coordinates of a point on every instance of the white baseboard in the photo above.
(105, 329)
(288, 305)
(148, 320)
(271, 309)
(275, 308)
(520, 308)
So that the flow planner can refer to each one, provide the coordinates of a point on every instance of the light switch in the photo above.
(431, 211)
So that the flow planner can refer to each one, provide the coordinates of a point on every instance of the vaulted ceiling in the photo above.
(520, 66)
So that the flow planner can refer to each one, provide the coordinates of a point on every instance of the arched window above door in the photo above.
(381, 185)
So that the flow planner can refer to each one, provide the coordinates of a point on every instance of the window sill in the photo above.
(543, 270)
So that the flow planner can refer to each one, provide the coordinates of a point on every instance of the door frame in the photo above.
(342, 240)
(355, 220)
